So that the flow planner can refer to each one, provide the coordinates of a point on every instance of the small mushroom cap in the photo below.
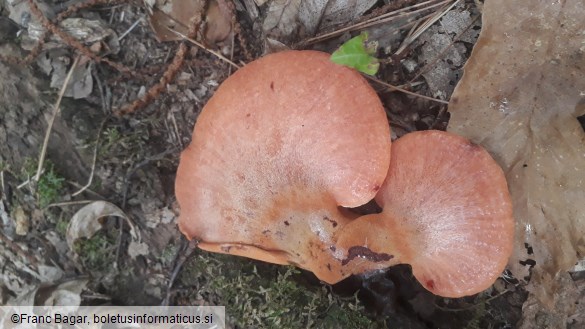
(282, 143)
(446, 211)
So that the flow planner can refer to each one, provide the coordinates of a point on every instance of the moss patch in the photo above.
(50, 184)
(98, 253)
(258, 295)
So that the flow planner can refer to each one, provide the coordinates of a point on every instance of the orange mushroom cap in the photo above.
(446, 211)
(280, 146)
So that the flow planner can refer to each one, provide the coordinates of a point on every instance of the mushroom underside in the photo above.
(446, 212)
(280, 146)
(290, 138)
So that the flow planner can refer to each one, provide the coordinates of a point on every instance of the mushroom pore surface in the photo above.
(446, 211)
(279, 147)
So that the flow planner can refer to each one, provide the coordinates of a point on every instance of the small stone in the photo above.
(22, 221)
(410, 65)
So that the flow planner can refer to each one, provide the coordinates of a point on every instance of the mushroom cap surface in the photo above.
(283, 142)
(446, 211)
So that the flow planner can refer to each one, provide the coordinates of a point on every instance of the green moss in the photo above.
(111, 137)
(257, 295)
(168, 254)
(50, 185)
(61, 226)
(479, 312)
(98, 253)
(115, 143)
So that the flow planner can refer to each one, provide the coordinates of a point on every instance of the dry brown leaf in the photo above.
(534, 315)
(284, 16)
(281, 18)
(63, 293)
(85, 223)
(177, 15)
(214, 16)
(520, 97)
(91, 31)
(81, 82)
(218, 21)
(320, 15)
(87, 31)
(444, 72)
(577, 318)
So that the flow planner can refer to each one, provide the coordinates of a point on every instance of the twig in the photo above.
(233, 43)
(133, 170)
(97, 142)
(130, 29)
(407, 85)
(415, 33)
(176, 128)
(95, 153)
(95, 296)
(70, 203)
(158, 88)
(384, 18)
(75, 184)
(2, 181)
(105, 107)
(406, 91)
(182, 255)
(218, 55)
(56, 109)
(121, 222)
(28, 181)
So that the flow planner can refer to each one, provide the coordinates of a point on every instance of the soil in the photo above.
(137, 156)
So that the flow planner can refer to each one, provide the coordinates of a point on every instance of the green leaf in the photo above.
(357, 54)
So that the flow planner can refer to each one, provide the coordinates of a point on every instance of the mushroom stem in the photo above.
(372, 243)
